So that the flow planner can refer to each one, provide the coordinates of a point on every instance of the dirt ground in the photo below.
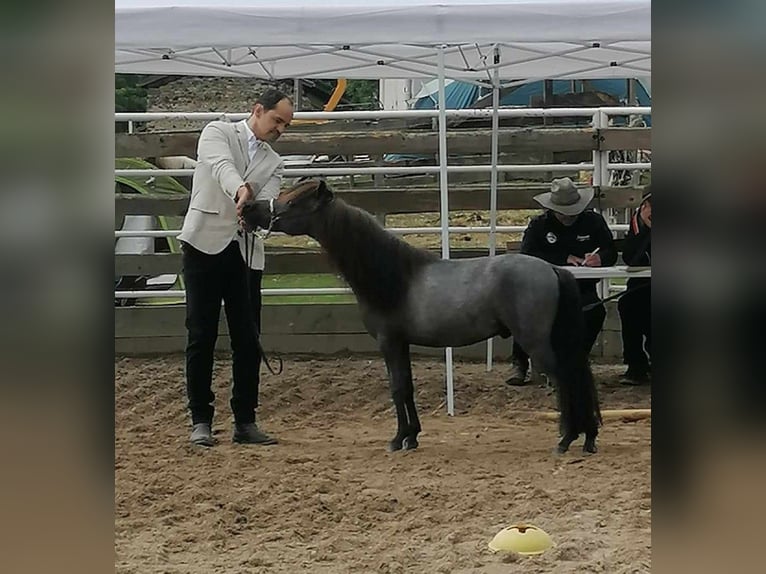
(330, 499)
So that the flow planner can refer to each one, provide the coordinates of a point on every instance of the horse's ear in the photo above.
(324, 192)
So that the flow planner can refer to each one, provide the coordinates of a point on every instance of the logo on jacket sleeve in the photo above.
(551, 238)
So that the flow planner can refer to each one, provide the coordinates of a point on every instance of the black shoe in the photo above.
(635, 376)
(249, 433)
(202, 435)
(519, 375)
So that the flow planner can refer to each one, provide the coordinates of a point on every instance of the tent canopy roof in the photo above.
(390, 39)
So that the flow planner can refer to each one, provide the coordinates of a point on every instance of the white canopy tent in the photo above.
(485, 41)
(540, 39)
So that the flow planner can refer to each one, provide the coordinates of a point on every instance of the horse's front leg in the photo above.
(397, 356)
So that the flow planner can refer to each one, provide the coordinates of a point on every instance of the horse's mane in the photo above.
(376, 264)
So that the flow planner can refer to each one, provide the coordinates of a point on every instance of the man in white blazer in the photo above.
(234, 164)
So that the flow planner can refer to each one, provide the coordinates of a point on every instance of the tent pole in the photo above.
(603, 285)
(444, 212)
(601, 178)
(493, 175)
(297, 94)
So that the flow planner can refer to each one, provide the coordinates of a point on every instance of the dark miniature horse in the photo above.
(410, 296)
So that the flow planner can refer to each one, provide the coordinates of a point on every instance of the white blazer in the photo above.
(223, 165)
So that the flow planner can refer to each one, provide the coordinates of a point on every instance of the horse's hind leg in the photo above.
(568, 438)
(591, 430)
(571, 386)
(397, 356)
(542, 354)
(590, 443)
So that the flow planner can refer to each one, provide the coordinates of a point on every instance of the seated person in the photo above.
(568, 234)
(635, 307)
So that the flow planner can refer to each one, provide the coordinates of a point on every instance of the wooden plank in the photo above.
(168, 321)
(628, 415)
(277, 263)
(483, 178)
(165, 321)
(290, 329)
(311, 344)
(146, 145)
(152, 265)
(626, 138)
(402, 199)
(138, 204)
(334, 126)
(348, 343)
(289, 346)
(422, 142)
(374, 142)
(311, 329)
(428, 124)
(396, 200)
(151, 346)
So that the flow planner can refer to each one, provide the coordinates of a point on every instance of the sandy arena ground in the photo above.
(330, 499)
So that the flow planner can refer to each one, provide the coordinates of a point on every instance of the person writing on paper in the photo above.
(235, 164)
(635, 306)
(568, 234)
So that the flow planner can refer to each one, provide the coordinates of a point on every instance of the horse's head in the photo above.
(292, 211)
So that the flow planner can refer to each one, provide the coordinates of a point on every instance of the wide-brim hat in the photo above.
(646, 195)
(565, 198)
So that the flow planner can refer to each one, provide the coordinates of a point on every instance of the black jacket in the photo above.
(637, 250)
(549, 239)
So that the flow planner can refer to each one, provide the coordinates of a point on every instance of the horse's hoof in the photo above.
(410, 443)
(394, 445)
(590, 448)
(561, 449)
(565, 441)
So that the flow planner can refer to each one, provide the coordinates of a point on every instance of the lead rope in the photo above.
(249, 248)
(612, 297)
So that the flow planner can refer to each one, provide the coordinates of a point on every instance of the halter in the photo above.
(261, 233)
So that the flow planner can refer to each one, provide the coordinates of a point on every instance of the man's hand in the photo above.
(646, 214)
(574, 260)
(244, 194)
(592, 260)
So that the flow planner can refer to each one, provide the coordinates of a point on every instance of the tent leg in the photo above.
(444, 212)
(601, 178)
(493, 176)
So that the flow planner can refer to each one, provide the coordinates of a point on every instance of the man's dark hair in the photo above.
(271, 97)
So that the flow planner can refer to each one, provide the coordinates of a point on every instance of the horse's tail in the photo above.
(577, 396)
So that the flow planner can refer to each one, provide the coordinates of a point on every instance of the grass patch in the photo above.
(304, 281)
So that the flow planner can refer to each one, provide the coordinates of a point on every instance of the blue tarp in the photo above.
(461, 95)
(458, 95)
(522, 96)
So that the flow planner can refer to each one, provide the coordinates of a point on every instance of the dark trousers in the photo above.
(594, 320)
(210, 279)
(635, 310)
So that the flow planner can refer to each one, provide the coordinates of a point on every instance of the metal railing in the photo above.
(600, 166)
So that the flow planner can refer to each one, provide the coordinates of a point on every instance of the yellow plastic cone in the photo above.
(524, 539)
